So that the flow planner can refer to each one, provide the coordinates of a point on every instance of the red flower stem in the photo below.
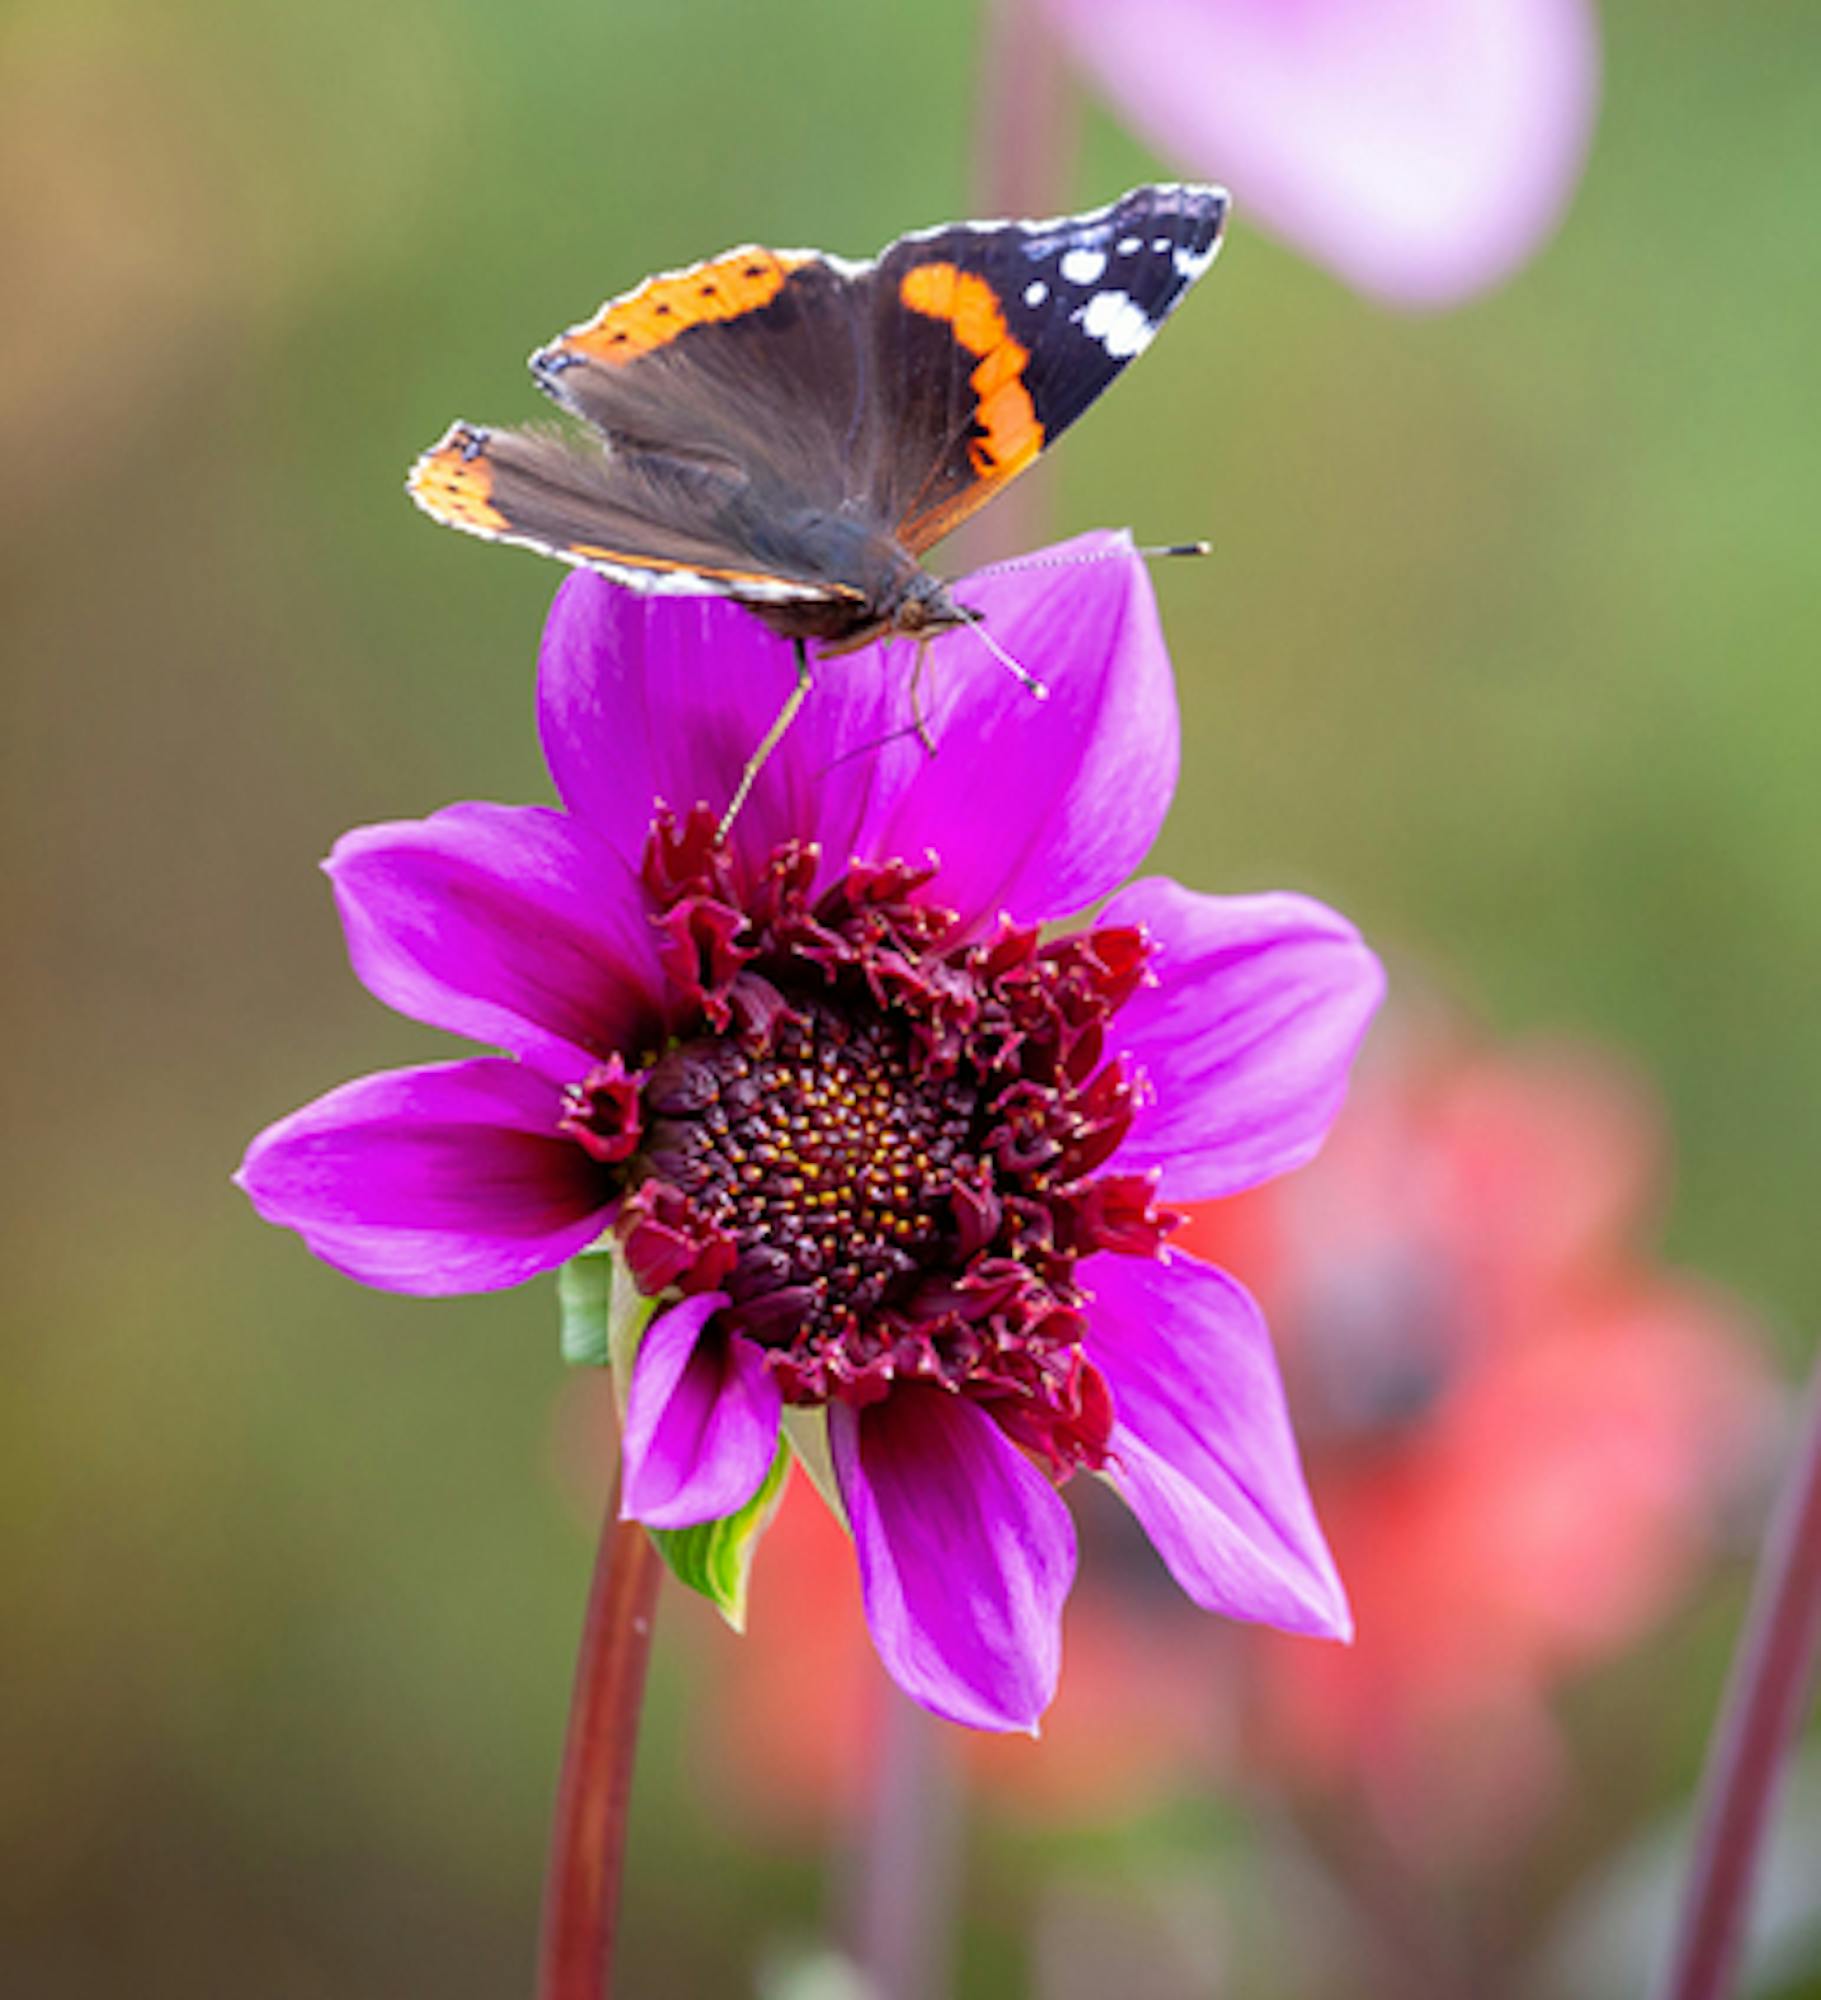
(1766, 1694)
(588, 1846)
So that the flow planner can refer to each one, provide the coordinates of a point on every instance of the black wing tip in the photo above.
(1204, 205)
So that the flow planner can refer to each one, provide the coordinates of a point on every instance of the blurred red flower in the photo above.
(1520, 1430)
(800, 1697)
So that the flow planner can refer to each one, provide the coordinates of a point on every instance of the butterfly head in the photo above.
(901, 600)
(926, 608)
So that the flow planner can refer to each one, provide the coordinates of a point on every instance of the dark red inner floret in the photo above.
(879, 1136)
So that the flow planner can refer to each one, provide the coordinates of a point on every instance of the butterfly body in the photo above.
(795, 431)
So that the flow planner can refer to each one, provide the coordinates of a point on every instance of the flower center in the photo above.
(882, 1139)
(824, 1156)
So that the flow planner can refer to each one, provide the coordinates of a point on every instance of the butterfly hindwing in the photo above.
(655, 521)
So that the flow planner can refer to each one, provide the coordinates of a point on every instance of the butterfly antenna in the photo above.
(1152, 553)
(1020, 673)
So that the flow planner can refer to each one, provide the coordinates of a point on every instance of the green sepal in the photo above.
(629, 1313)
(584, 1287)
(604, 1314)
(715, 1557)
(806, 1431)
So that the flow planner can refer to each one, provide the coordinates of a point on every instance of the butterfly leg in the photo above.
(772, 738)
(919, 680)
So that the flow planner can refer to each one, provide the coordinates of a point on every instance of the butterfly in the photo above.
(796, 431)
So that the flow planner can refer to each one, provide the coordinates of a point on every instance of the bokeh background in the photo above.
(1508, 647)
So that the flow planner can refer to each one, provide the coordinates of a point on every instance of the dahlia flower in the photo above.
(872, 1164)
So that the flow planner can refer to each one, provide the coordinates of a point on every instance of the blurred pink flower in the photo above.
(1421, 149)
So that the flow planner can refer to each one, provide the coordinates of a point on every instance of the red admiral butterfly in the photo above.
(794, 431)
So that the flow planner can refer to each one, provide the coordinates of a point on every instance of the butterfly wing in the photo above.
(990, 339)
(659, 522)
(768, 421)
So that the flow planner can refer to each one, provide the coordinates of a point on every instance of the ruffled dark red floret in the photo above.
(880, 1136)
(601, 1113)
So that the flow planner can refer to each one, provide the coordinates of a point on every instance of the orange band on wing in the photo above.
(663, 307)
(1010, 435)
(453, 483)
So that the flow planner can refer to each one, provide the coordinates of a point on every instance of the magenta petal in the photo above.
(510, 924)
(1036, 807)
(966, 1554)
(702, 1414)
(1420, 148)
(664, 698)
(1202, 1450)
(446, 1179)
(1247, 1037)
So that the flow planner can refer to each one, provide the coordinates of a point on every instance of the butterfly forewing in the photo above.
(992, 338)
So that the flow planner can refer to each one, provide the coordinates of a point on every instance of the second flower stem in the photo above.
(588, 1845)
(1770, 1685)
(906, 1877)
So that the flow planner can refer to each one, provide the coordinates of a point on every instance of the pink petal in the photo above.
(1248, 1036)
(1422, 149)
(966, 1554)
(1202, 1449)
(642, 699)
(666, 698)
(438, 1180)
(1036, 807)
(509, 924)
(702, 1413)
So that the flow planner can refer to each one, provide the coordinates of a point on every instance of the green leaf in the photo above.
(716, 1557)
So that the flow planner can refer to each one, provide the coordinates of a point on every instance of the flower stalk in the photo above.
(1766, 1696)
(1026, 130)
(588, 1844)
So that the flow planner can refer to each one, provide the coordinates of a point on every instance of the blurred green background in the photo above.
(1509, 648)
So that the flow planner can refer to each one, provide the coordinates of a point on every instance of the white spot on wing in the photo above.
(1036, 292)
(1129, 246)
(1083, 267)
(1118, 322)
